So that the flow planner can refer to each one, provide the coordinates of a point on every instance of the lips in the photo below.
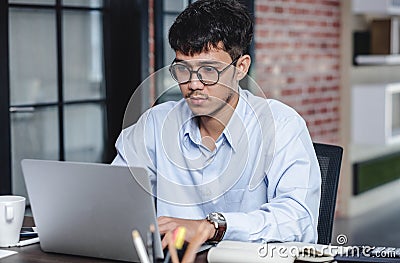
(197, 100)
(198, 97)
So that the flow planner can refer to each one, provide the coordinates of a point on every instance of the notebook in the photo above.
(288, 252)
(90, 209)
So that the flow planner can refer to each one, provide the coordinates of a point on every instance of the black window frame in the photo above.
(126, 64)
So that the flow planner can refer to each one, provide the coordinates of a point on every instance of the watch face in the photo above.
(220, 217)
(216, 217)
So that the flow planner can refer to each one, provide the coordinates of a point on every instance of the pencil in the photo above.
(140, 249)
(153, 244)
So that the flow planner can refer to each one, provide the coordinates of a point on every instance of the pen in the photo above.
(141, 250)
(27, 242)
(149, 244)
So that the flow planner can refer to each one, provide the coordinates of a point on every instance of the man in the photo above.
(241, 166)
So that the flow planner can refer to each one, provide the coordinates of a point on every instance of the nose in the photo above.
(195, 83)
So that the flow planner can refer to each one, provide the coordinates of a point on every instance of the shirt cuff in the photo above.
(237, 226)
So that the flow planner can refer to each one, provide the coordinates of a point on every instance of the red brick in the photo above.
(263, 8)
(288, 92)
(278, 9)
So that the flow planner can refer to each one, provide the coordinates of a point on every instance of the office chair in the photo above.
(329, 159)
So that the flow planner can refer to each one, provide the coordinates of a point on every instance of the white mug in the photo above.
(12, 211)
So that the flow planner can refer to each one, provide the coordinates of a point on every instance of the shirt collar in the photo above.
(191, 129)
(236, 127)
(233, 132)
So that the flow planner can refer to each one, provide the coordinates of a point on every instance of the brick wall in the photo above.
(297, 59)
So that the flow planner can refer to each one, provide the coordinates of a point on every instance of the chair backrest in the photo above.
(329, 159)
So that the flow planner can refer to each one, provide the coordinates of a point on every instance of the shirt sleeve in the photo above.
(135, 146)
(293, 189)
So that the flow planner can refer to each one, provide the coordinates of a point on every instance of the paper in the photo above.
(225, 255)
(6, 253)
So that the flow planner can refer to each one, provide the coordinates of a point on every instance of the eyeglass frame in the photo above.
(197, 72)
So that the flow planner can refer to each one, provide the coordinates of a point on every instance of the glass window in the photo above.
(83, 3)
(33, 2)
(34, 81)
(166, 87)
(33, 62)
(84, 132)
(169, 54)
(395, 114)
(34, 135)
(82, 55)
(175, 5)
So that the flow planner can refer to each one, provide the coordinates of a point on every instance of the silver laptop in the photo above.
(90, 209)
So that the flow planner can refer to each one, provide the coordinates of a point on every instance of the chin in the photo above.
(200, 111)
(206, 108)
(204, 111)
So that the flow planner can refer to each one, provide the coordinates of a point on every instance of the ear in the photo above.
(243, 65)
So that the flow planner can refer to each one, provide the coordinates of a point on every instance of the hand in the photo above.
(169, 224)
(200, 237)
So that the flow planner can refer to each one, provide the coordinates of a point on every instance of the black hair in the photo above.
(204, 24)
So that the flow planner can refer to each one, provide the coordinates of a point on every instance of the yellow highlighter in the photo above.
(179, 237)
(176, 243)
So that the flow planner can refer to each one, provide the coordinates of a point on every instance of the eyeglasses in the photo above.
(208, 75)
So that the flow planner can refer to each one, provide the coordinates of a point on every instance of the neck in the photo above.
(213, 126)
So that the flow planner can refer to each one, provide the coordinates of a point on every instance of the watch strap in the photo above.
(219, 234)
(219, 223)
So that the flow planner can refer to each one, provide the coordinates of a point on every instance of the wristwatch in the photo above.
(219, 223)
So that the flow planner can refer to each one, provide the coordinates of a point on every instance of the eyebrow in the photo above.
(200, 62)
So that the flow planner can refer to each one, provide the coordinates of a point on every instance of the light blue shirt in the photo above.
(263, 175)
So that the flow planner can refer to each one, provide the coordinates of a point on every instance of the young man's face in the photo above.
(209, 100)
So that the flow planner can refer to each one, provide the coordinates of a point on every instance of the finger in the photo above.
(164, 241)
(200, 237)
(161, 219)
(164, 228)
(172, 249)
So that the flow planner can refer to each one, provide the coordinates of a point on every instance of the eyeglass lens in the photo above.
(206, 74)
